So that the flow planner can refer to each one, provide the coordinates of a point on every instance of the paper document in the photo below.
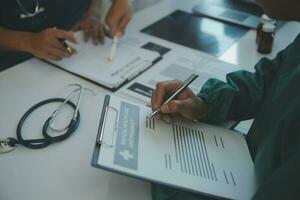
(178, 64)
(191, 156)
(92, 62)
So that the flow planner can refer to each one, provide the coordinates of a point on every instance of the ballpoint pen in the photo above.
(180, 88)
(67, 48)
(113, 49)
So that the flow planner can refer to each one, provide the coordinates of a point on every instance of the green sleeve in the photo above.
(284, 182)
(242, 95)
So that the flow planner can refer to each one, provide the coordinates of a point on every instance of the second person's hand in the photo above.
(47, 44)
(92, 26)
(187, 104)
(118, 17)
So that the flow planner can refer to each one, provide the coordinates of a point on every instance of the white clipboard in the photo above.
(91, 62)
(196, 157)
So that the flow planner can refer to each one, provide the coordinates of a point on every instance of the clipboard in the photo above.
(113, 89)
(167, 153)
(100, 134)
(91, 62)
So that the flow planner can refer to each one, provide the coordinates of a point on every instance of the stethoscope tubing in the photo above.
(47, 140)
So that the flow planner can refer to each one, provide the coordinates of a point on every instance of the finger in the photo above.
(106, 30)
(86, 34)
(101, 34)
(165, 108)
(95, 35)
(174, 106)
(153, 97)
(119, 34)
(60, 54)
(65, 35)
(55, 43)
(121, 26)
(51, 57)
(162, 89)
(58, 45)
(158, 95)
(112, 21)
(166, 118)
(63, 48)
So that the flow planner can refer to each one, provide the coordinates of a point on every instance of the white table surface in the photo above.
(63, 170)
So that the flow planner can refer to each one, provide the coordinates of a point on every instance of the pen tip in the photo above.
(69, 50)
(109, 60)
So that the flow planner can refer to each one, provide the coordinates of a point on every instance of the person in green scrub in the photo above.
(270, 96)
(36, 27)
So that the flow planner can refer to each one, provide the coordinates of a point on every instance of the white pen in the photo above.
(113, 49)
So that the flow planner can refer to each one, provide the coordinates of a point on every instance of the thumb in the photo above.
(174, 106)
(120, 29)
(111, 23)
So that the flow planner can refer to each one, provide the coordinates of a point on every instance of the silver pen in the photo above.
(180, 88)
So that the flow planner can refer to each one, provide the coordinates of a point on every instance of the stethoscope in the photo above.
(26, 13)
(9, 144)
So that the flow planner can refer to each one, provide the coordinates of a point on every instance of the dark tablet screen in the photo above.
(200, 33)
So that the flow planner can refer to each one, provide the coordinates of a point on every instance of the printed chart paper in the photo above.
(178, 65)
(191, 156)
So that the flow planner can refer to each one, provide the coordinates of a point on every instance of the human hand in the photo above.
(92, 26)
(186, 104)
(118, 17)
(46, 44)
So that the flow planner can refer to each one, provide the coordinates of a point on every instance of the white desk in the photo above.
(63, 171)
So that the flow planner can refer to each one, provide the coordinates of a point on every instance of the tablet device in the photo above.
(200, 33)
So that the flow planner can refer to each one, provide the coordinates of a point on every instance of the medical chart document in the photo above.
(91, 62)
(178, 64)
(190, 156)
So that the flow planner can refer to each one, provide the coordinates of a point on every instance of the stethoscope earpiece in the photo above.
(27, 14)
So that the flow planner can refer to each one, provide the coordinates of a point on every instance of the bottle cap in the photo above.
(268, 28)
(266, 19)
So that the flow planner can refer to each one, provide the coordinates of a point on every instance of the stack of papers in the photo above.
(178, 65)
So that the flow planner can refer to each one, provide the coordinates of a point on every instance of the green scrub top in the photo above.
(270, 95)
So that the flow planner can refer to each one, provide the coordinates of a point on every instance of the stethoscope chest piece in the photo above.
(7, 145)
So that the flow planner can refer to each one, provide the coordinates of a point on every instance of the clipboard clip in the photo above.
(100, 139)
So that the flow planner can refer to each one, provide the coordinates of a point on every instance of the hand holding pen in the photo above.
(68, 49)
(185, 103)
(48, 44)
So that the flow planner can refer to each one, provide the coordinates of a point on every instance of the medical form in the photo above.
(91, 62)
(191, 156)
